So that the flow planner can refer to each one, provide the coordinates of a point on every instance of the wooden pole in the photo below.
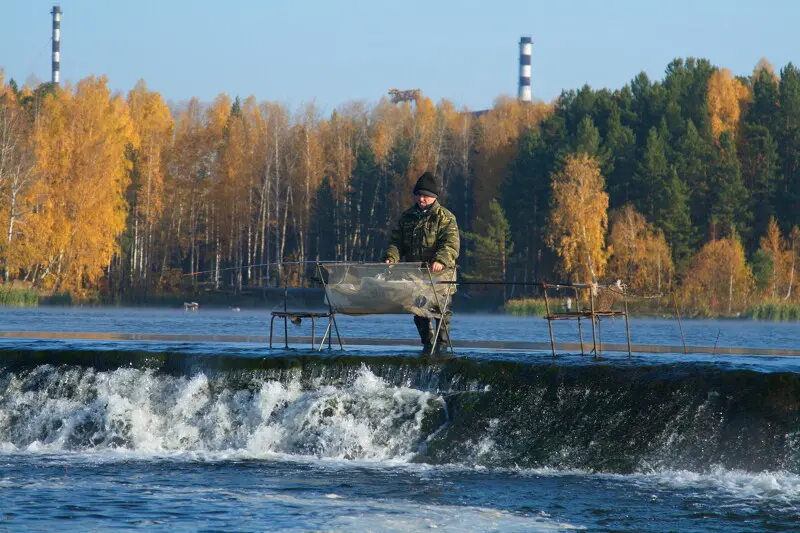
(680, 326)
(599, 335)
(594, 333)
(627, 326)
(549, 320)
(331, 314)
(578, 310)
(285, 298)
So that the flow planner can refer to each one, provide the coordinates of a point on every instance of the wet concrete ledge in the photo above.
(278, 342)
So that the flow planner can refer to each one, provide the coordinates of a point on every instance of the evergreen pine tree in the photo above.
(587, 138)
(729, 203)
(763, 110)
(789, 141)
(492, 252)
(675, 221)
(693, 165)
(650, 178)
(620, 144)
(758, 153)
(526, 197)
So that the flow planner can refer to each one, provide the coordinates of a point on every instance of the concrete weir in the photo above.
(568, 347)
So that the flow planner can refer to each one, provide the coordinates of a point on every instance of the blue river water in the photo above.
(110, 435)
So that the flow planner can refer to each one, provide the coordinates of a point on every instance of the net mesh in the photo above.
(577, 299)
(380, 289)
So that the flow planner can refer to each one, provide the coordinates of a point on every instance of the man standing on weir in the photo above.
(426, 233)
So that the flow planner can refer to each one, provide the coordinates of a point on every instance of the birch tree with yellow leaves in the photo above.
(17, 164)
(726, 95)
(773, 247)
(80, 207)
(342, 137)
(189, 167)
(228, 202)
(792, 252)
(719, 279)
(640, 255)
(153, 127)
(310, 170)
(579, 218)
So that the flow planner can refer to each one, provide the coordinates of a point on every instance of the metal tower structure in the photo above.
(525, 46)
(56, 43)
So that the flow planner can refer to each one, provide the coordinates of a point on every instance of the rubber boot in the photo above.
(425, 330)
(443, 342)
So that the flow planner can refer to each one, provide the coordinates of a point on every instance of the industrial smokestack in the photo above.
(56, 43)
(525, 46)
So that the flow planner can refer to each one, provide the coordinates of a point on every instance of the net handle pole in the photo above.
(285, 299)
(680, 326)
(594, 318)
(441, 310)
(580, 329)
(627, 325)
(331, 314)
(447, 303)
(549, 319)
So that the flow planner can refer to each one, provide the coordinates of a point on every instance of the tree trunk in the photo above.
(730, 292)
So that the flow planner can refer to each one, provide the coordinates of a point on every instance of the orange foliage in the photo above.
(579, 218)
(765, 65)
(719, 279)
(773, 246)
(726, 95)
(640, 256)
(80, 205)
(153, 125)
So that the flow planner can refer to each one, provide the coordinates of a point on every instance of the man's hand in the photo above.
(437, 267)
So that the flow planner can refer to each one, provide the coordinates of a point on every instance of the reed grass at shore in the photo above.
(16, 297)
(775, 310)
(526, 307)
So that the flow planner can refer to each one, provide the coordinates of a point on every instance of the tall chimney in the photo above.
(56, 43)
(525, 45)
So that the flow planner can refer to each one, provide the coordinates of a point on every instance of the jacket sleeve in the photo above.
(395, 250)
(448, 242)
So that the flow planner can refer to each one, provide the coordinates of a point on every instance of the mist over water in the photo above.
(190, 437)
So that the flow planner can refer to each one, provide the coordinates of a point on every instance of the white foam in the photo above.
(735, 483)
(406, 516)
(143, 412)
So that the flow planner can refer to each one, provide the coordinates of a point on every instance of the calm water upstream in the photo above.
(108, 435)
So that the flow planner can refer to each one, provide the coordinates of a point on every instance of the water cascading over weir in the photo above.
(600, 417)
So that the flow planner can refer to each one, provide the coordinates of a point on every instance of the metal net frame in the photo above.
(360, 289)
(388, 288)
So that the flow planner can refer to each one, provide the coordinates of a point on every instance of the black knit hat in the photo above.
(428, 185)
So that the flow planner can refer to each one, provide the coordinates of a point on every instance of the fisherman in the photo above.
(427, 233)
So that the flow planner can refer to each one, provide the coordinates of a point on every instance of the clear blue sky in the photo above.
(334, 51)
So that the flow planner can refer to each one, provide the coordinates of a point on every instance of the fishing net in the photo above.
(380, 289)
(566, 299)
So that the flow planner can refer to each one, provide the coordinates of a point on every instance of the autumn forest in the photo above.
(686, 185)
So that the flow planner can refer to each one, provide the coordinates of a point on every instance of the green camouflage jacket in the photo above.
(425, 236)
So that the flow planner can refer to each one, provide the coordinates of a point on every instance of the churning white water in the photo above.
(142, 411)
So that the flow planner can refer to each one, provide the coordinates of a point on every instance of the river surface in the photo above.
(110, 435)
